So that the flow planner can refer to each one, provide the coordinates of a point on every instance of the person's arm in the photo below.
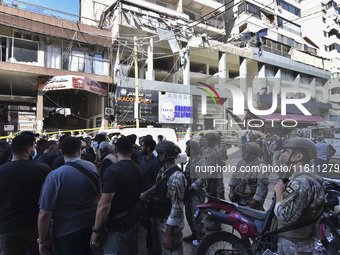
(103, 210)
(291, 201)
(44, 221)
(261, 189)
(332, 150)
(147, 193)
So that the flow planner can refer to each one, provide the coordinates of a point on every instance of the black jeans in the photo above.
(77, 243)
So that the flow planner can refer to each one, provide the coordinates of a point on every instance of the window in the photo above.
(289, 7)
(326, 48)
(254, 9)
(289, 26)
(323, 19)
(25, 51)
(325, 34)
(53, 56)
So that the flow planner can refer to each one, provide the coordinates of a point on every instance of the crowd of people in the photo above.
(83, 195)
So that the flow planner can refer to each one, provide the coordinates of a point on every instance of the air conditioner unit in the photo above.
(109, 111)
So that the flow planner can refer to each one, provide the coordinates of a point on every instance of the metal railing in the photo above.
(42, 10)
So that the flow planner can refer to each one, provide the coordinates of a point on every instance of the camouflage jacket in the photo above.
(302, 200)
(176, 186)
(250, 184)
(192, 176)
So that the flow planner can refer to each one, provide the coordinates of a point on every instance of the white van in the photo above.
(168, 134)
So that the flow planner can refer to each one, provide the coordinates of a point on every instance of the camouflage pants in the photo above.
(196, 226)
(159, 227)
(217, 188)
(287, 247)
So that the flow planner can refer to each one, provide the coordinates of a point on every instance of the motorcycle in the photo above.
(257, 225)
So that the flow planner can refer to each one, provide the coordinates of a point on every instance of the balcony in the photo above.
(27, 52)
(41, 10)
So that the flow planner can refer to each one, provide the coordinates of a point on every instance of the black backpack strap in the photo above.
(296, 226)
(87, 173)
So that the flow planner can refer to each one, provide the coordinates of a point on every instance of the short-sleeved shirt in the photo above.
(72, 196)
(150, 168)
(125, 179)
(20, 184)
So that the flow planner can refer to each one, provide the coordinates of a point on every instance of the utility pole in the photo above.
(136, 84)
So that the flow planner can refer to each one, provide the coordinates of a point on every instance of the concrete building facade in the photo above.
(183, 44)
(55, 72)
(184, 51)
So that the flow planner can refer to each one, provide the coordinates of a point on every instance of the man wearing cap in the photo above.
(249, 184)
(69, 196)
(20, 184)
(299, 203)
(122, 185)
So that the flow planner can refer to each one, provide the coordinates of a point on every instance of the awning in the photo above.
(298, 117)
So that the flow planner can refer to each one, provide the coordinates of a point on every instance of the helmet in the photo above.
(170, 149)
(302, 143)
(252, 148)
(194, 146)
(212, 137)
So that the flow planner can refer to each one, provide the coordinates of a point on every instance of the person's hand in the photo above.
(45, 248)
(94, 240)
(279, 189)
(254, 204)
(167, 240)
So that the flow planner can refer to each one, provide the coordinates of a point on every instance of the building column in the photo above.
(186, 66)
(277, 83)
(313, 88)
(150, 73)
(222, 68)
(243, 76)
(105, 122)
(262, 77)
(40, 113)
(180, 6)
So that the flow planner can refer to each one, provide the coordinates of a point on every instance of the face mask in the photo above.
(95, 144)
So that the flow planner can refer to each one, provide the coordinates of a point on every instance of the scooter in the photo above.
(256, 225)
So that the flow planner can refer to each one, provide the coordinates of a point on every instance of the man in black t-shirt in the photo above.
(20, 184)
(122, 185)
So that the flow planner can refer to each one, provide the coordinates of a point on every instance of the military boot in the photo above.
(216, 226)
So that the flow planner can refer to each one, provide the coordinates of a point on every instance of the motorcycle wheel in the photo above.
(333, 248)
(221, 243)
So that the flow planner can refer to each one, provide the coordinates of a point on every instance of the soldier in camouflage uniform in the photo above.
(281, 161)
(204, 146)
(249, 188)
(167, 202)
(195, 191)
(215, 186)
(300, 200)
